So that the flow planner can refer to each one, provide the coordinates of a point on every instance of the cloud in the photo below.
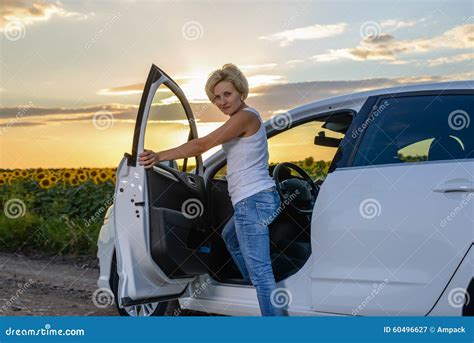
(126, 111)
(293, 62)
(136, 88)
(451, 59)
(290, 95)
(263, 80)
(22, 124)
(13, 12)
(253, 67)
(306, 33)
(269, 99)
(193, 86)
(385, 47)
(394, 24)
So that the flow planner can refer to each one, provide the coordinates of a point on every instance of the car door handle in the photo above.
(454, 188)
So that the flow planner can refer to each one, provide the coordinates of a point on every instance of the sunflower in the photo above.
(103, 176)
(82, 177)
(46, 183)
(11, 176)
(66, 174)
(73, 181)
(93, 173)
(41, 175)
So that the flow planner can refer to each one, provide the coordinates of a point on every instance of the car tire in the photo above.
(162, 308)
(468, 308)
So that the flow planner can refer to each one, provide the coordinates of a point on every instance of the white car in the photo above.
(377, 221)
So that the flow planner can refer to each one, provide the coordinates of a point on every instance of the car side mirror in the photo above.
(322, 140)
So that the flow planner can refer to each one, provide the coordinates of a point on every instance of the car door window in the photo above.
(418, 129)
(296, 145)
(167, 125)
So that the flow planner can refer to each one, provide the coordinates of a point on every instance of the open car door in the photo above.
(160, 231)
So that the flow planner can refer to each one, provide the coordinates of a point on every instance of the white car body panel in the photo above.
(411, 260)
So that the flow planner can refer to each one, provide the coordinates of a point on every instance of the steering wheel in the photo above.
(297, 192)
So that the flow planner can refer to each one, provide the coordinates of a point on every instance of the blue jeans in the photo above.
(247, 238)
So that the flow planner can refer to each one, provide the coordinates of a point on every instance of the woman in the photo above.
(251, 189)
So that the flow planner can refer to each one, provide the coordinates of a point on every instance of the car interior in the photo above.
(290, 231)
(186, 242)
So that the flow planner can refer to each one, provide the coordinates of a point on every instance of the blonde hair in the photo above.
(228, 72)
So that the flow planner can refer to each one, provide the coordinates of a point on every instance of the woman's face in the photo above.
(226, 97)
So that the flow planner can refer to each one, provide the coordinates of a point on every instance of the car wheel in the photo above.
(162, 308)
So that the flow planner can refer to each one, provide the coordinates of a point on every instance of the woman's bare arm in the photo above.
(233, 127)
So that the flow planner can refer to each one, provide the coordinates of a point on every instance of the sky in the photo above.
(67, 65)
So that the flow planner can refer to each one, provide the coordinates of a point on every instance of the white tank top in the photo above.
(247, 163)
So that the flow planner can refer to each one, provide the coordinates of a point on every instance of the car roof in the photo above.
(345, 100)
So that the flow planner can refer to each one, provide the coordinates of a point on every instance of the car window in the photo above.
(167, 126)
(296, 145)
(418, 129)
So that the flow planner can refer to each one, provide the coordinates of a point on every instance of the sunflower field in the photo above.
(57, 211)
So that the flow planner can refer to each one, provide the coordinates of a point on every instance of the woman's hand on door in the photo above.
(148, 158)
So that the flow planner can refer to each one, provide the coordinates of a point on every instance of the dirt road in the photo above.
(48, 286)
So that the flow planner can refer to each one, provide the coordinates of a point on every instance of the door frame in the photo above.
(134, 231)
(155, 75)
